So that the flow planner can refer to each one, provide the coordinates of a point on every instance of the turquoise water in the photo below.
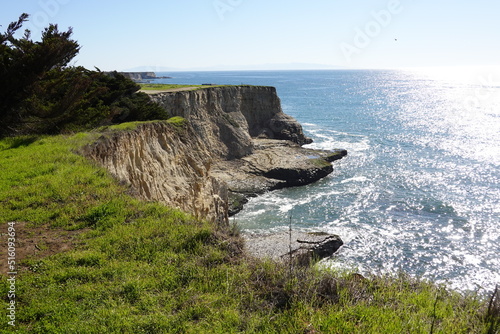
(420, 188)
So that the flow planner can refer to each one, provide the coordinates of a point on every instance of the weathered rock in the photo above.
(236, 202)
(284, 127)
(165, 164)
(214, 117)
(275, 164)
(136, 76)
(299, 247)
(313, 251)
(227, 118)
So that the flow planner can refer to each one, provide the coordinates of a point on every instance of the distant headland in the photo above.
(141, 76)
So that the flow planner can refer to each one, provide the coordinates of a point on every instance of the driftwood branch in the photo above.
(314, 250)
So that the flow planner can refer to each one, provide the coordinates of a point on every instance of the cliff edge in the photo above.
(228, 143)
(227, 118)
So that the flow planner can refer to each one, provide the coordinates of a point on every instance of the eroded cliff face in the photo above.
(236, 142)
(227, 118)
(164, 163)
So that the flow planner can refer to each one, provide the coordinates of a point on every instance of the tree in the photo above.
(24, 62)
(40, 93)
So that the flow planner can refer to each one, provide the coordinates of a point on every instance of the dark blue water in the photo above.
(420, 188)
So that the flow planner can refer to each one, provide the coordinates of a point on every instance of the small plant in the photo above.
(493, 313)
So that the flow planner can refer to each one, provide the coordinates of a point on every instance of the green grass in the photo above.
(145, 268)
(166, 86)
(43, 181)
(146, 86)
(177, 122)
(129, 126)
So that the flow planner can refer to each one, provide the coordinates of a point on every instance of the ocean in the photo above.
(419, 191)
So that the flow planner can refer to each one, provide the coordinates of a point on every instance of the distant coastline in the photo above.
(141, 76)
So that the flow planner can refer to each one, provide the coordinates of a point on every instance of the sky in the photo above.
(160, 35)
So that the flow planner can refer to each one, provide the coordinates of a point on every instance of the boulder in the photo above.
(313, 251)
(299, 247)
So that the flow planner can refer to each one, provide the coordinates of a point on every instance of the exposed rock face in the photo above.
(139, 76)
(135, 76)
(236, 143)
(274, 164)
(165, 164)
(227, 118)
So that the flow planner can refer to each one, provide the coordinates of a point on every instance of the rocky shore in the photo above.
(301, 246)
(274, 164)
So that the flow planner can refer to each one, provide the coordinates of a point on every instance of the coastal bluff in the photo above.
(226, 144)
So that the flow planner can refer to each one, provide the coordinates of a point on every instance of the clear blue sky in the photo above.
(235, 34)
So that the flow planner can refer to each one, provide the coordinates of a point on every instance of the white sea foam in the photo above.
(355, 179)
(329, 140)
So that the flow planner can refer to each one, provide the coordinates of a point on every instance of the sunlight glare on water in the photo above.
(419, 190)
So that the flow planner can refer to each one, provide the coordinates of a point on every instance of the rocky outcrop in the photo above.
(139, 76)
(235, 142)
(164, 163)
(311, 251)
(299, 247)
(227, 118)
(274, 164)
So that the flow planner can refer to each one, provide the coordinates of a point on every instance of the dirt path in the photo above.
(34, 242)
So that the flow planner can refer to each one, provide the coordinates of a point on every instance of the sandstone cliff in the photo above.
(227, 118)
(164, 163)
(236, 142)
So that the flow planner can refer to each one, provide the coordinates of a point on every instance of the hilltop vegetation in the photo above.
(167, 86)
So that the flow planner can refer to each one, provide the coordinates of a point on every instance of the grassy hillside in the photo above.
(141, 267)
